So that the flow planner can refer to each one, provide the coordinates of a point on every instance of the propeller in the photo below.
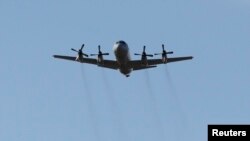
(80, 53)
(99, 52)
(144, 54)
(164, 52)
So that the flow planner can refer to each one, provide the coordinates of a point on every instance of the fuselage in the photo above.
(122, 55)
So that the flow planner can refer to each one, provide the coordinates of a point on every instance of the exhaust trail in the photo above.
(158, 121)
(170, 83)
(176, 103)
(173, 91)
(117, 118)
(90, 104)
(108, 89)
(84, 79)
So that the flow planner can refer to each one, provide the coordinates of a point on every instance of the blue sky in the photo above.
(42, 98)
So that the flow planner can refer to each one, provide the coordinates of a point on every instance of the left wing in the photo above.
(105, 63)
(65, 57)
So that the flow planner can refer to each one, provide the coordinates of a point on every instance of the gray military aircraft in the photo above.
(123, 61)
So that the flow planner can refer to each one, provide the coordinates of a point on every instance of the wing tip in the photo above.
(55, 56)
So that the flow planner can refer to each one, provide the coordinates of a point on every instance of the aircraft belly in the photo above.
(125, 70)
(123, 61)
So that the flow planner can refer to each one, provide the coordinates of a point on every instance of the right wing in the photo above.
(137, 64)
(169, 60)
(106, 63)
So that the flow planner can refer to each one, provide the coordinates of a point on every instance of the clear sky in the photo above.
(42, 98)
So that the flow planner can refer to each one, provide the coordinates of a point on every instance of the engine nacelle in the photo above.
(144, 60)
(164, 54)
(144, 55)
(164, 58)
(99, 56)
(79, 58)
(99, 60)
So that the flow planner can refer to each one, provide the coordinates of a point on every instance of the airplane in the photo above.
(123, 61)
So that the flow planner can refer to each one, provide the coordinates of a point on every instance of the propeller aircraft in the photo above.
(123, 61)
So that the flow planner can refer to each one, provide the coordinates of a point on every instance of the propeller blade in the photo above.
(80, 51)
(74, 50)
(137, 54)
(162, 46)
(105, 53)
(99, 48)
(82, 46)
(158, 53)
(144, 48)
(85, 54)
(171, 52)
(149, 55)
(99, 52)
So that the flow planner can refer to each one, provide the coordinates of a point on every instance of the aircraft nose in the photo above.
(120, 47)
(121, 42)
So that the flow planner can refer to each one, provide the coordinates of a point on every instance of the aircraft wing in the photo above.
(169, 60)
(65, 57)
(106, 63)
(137, 64)
(111, 64)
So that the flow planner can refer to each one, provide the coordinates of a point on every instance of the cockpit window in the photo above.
(121, 42)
